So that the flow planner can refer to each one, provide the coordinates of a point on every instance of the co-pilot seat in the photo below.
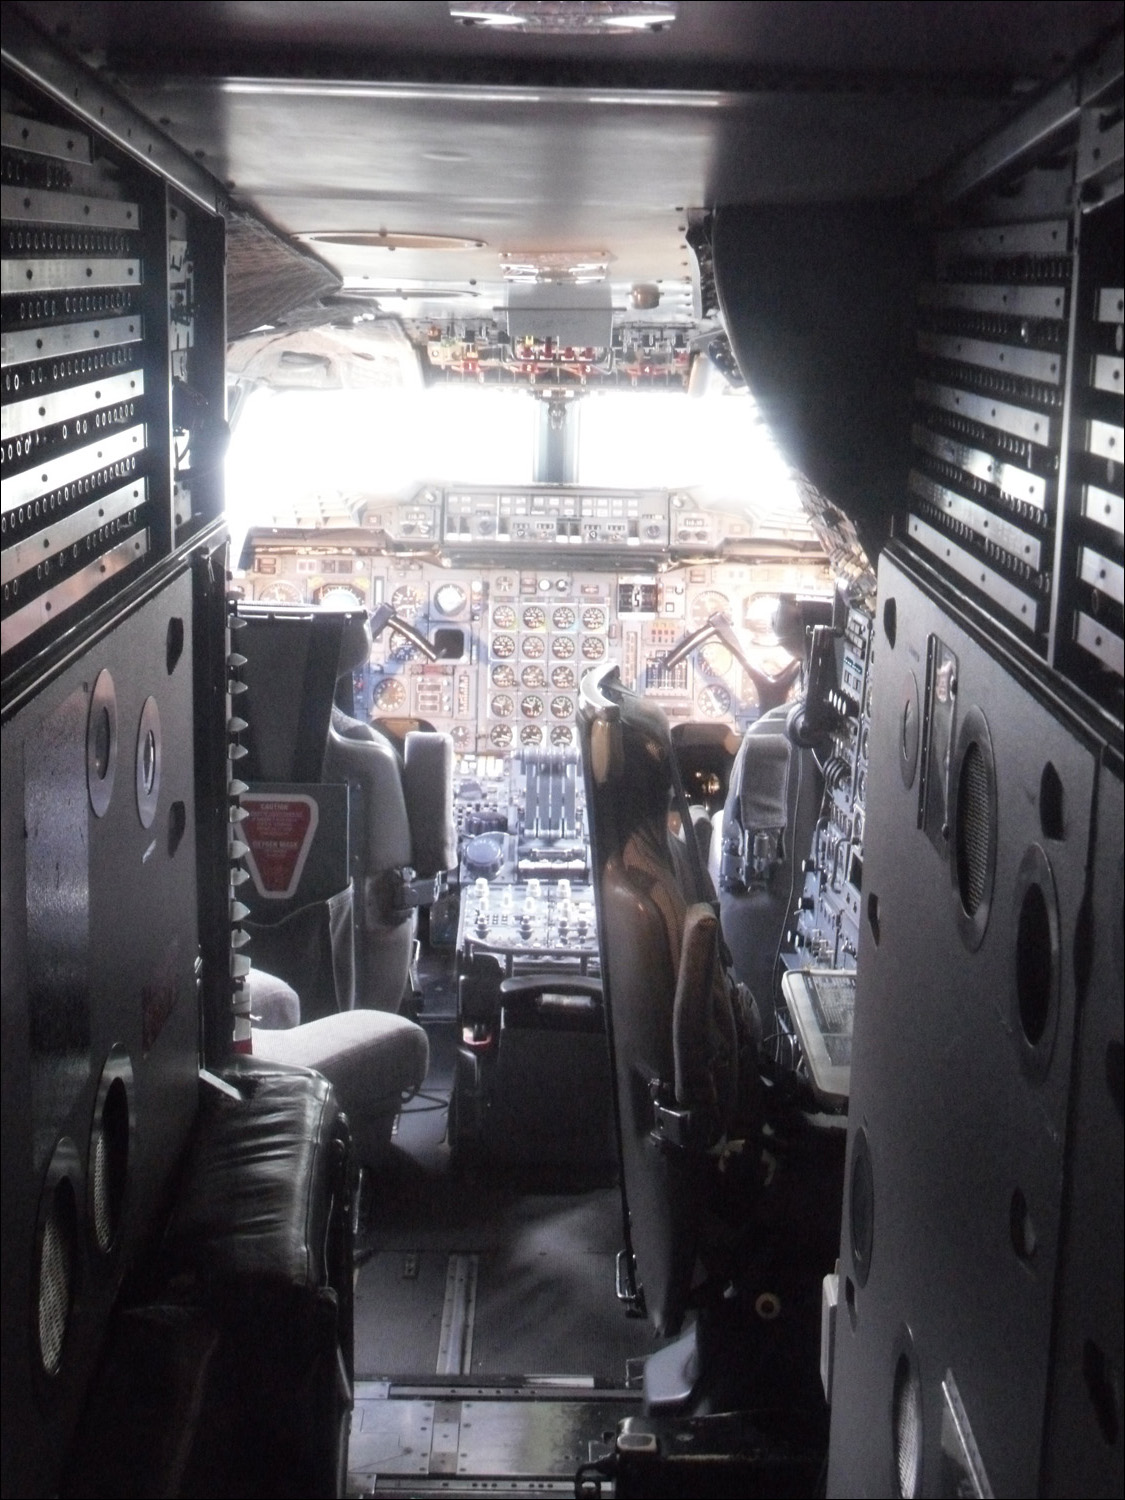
(403, 835)
(683, 1036)
(299, 741)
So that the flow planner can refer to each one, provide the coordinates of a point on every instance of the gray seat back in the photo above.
(670, 1007)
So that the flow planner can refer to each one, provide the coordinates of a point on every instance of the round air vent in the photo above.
(57, 1257)
(148, 763)
(973, 820)
(110, 1140)
(862, 1208)
(906, 1424)
(101, 743)
(1035, 963)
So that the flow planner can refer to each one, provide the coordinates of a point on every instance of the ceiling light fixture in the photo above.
(388, 239)
(567, 17)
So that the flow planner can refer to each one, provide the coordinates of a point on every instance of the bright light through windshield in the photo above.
(310, 457)
(716, 445)
(308, 452)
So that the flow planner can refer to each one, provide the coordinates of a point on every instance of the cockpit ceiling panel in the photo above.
(978, 39)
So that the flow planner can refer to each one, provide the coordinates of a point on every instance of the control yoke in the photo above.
(771, 691)
(384, 615)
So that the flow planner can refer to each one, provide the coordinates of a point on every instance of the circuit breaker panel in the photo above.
(113, 420)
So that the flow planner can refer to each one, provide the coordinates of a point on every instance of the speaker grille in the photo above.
(907, 1432)
(974, 828)
(57, 1263)
(109, 1162)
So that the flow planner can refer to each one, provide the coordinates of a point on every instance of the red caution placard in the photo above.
(279, 830)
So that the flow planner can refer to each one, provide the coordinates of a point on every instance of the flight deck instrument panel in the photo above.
(520, 592)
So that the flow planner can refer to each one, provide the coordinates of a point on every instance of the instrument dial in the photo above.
(408, 602)
(389, 694)
(502, 706)
(715, 659)
(710, 602)
(533, 676)
(341, 596)
(563, 617)
(758, 617)
(504, 677)
(504, 617)
(503, 646)
(563, 647)
(593, 647)
(535, 617)
(713, 701)
(531, 706)
(531, 735)
(534, 647)
(593, 618)
(450, 599)
(562, 677)
(500, 735)
(562, 735)
(400, 649)
(562, 708)
(281, 592)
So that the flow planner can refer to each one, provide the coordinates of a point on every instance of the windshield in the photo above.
(312, 458)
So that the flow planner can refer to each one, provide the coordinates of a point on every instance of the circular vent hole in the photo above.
(973, 828)
(890, 622)
(906, 1408)
(862, 1208)
(1034, 964)
(110, 1164)
(1051, 812)
(1021, 1227)
(58, 1263)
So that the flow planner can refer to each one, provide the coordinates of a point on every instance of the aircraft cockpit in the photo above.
(563, 647)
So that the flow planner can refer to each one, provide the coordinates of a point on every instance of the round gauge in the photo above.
(713, 701)
(450, 599)
(531, 706)
(561, 736)
(533, 676)
(281, 592)
(593, 618)
(709, 603)
(758, 616)
(400, 649)
(715, 659)
(593, 647)
(562, 708)
(500, 735)
(502, 706)
(504, 677)
(341, 596)
(460, 735)
(389, 694)
(531, 735)
(503, 646)
(534, 646)
(407, 602)
(535, 617)
(562, 677)
(504, 617)
(563, 647)
(563, 617)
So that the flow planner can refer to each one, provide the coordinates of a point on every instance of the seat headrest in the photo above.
(355, 644)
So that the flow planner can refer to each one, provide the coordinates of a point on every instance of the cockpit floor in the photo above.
(540, 1250)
